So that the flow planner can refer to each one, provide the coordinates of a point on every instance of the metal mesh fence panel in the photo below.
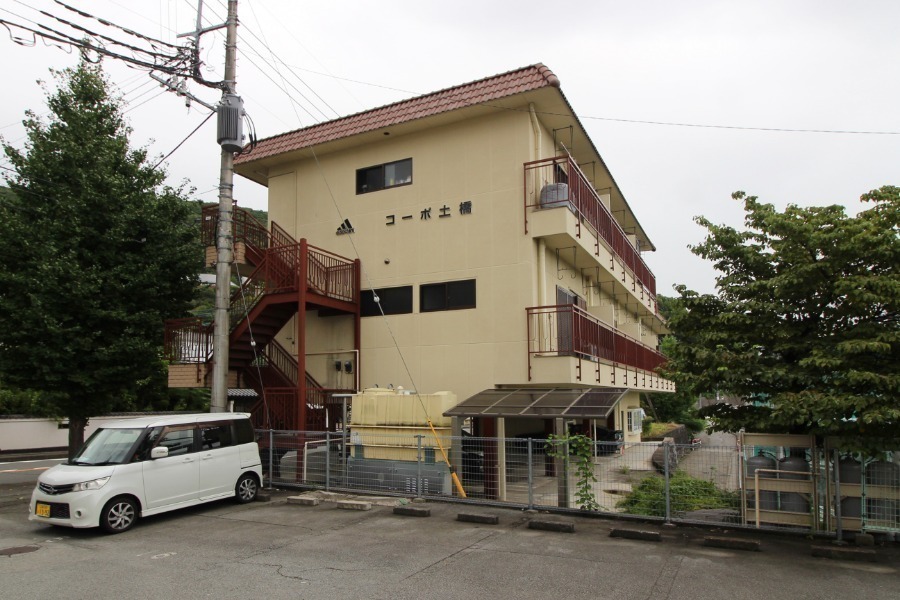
(863, 491)
(735, 485)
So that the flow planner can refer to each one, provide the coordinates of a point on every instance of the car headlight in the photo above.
(94, 484)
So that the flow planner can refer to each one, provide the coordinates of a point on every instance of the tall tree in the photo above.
(804, 325)
(96, 252)
(679, 406)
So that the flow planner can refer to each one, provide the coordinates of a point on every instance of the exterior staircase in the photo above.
(280, 278)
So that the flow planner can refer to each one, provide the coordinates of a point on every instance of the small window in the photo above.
(635, 420)
(216, 435)
(394, 301)
(388, 175)
(451, 295)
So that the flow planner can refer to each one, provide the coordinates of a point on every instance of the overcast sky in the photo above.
(779, 64)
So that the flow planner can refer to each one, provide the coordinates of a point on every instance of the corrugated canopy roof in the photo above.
(540, 403)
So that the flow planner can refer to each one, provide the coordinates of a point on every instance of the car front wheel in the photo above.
(246, 489)
(119, 515)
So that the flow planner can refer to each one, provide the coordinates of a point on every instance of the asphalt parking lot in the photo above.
(279, 550)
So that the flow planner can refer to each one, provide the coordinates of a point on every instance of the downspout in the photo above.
(540, 279)
(535, 125)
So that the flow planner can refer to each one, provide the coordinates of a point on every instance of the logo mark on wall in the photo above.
(345, 228)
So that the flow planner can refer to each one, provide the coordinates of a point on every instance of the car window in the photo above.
(178, 441)
(243, 431)
(216, 435)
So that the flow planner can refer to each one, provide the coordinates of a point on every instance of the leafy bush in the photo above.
(687, 494)
(580, 448)
(28, 403)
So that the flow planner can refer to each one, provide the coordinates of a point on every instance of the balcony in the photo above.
(572, 333)
(558, 182)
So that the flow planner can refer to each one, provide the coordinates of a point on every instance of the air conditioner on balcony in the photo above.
(556, 194)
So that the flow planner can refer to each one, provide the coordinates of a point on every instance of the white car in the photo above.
(149, 465)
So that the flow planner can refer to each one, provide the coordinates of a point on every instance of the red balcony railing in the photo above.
(187, 341)
(245, 227)
(190, 341)
(567, 330)
(553, 182)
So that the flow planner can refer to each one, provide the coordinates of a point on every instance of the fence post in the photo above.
(666, 447)
(271, 456)
(327, 460)
(530, 475)
(418, 466)
(839, 527)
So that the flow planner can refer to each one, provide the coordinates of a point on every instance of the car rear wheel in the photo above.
(119, 515)
(246, 489)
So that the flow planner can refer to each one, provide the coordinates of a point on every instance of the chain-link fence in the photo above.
(745, 484)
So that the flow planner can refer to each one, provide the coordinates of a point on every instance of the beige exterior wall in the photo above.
(479, 161)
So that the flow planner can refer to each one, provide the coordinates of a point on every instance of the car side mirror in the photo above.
(159, 452)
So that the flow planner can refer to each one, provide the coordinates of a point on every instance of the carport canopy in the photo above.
(542, 403)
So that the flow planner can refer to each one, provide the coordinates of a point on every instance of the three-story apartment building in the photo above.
(496, 258)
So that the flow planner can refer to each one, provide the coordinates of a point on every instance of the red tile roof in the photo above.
(469, 94)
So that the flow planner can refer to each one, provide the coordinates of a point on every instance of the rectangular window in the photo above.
(380, 177)
(394, 301)
(451, 295)
(635, 420)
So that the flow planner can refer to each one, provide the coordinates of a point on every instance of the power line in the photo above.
(265, 44)
(153, 41)
(621, 120)
(735, 127)
(136, 106)
(284, 83)
(196, 129)
(174, 60)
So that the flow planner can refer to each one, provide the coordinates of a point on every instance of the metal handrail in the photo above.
(584, 199)
(585, 335)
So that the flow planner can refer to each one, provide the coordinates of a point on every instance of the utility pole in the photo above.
(230, 113)
(230, 138)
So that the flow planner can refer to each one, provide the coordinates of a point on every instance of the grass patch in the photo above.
(659, 430)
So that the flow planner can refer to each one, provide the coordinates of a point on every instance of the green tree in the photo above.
(96, 253)
(804, 325)
(679, 406)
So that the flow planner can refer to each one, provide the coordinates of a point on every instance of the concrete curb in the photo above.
(558, 526)
(303, 500)
(841, 553)
(636, 534)
(476, 518)
(354, 505)
(412, 511)
(732, 543)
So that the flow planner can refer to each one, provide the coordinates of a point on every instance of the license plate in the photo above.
(42, 510)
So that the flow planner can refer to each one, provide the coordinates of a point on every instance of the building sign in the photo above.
(345, 228)
(444, 212)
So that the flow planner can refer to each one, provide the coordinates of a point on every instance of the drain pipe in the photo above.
(536, 126)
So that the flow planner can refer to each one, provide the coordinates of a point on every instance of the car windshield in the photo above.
(108, 446)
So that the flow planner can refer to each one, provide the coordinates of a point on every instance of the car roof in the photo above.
(163, 420)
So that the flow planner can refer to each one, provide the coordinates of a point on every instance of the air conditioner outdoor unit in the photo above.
(554, 194)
